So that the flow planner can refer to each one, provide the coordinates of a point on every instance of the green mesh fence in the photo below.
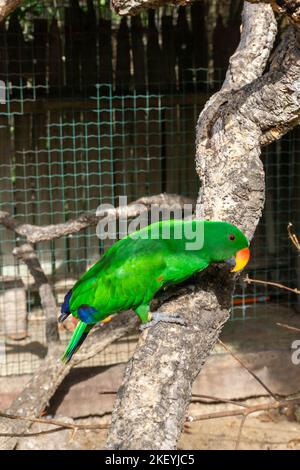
(99, 108)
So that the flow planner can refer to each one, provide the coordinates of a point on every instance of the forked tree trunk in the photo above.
(253, 108)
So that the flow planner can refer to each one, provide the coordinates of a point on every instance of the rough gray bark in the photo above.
(152, 402)
(36, 233)
(132, 7)
(251, 56)
(164, 366)
(290, 8)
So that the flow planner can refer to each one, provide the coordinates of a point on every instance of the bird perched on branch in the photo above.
(135, 268)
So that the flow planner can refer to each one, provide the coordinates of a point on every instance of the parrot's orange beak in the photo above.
(241, 259)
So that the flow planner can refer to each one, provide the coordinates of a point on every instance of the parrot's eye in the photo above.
(231, 237)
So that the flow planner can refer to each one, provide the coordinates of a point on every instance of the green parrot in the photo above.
(136, 267)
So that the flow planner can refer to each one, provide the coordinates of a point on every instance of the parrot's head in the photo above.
(226, 243)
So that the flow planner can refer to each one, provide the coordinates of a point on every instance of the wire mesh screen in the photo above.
(97, 108)
(274, 258)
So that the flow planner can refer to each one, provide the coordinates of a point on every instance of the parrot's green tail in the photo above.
(79, 335)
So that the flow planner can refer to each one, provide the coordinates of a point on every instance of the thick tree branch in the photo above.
(257, 38)
(7, 7)
(132, 7)
(289, 8)
(35, 233)
(28, 255)
(273, 101)
(165, 364)
(153, 399)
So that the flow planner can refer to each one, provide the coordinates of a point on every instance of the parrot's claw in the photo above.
(162, 317)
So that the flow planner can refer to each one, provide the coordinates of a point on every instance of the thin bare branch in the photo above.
(196, 397)
(242, 423)
(248, 280)
(248, 370)
(288, 327)
(218, 399)
(54, 422)
(240, 412)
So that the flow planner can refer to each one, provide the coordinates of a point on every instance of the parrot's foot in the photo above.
(162, 317)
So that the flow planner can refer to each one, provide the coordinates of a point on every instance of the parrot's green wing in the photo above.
(182, 266)
(128, 274)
